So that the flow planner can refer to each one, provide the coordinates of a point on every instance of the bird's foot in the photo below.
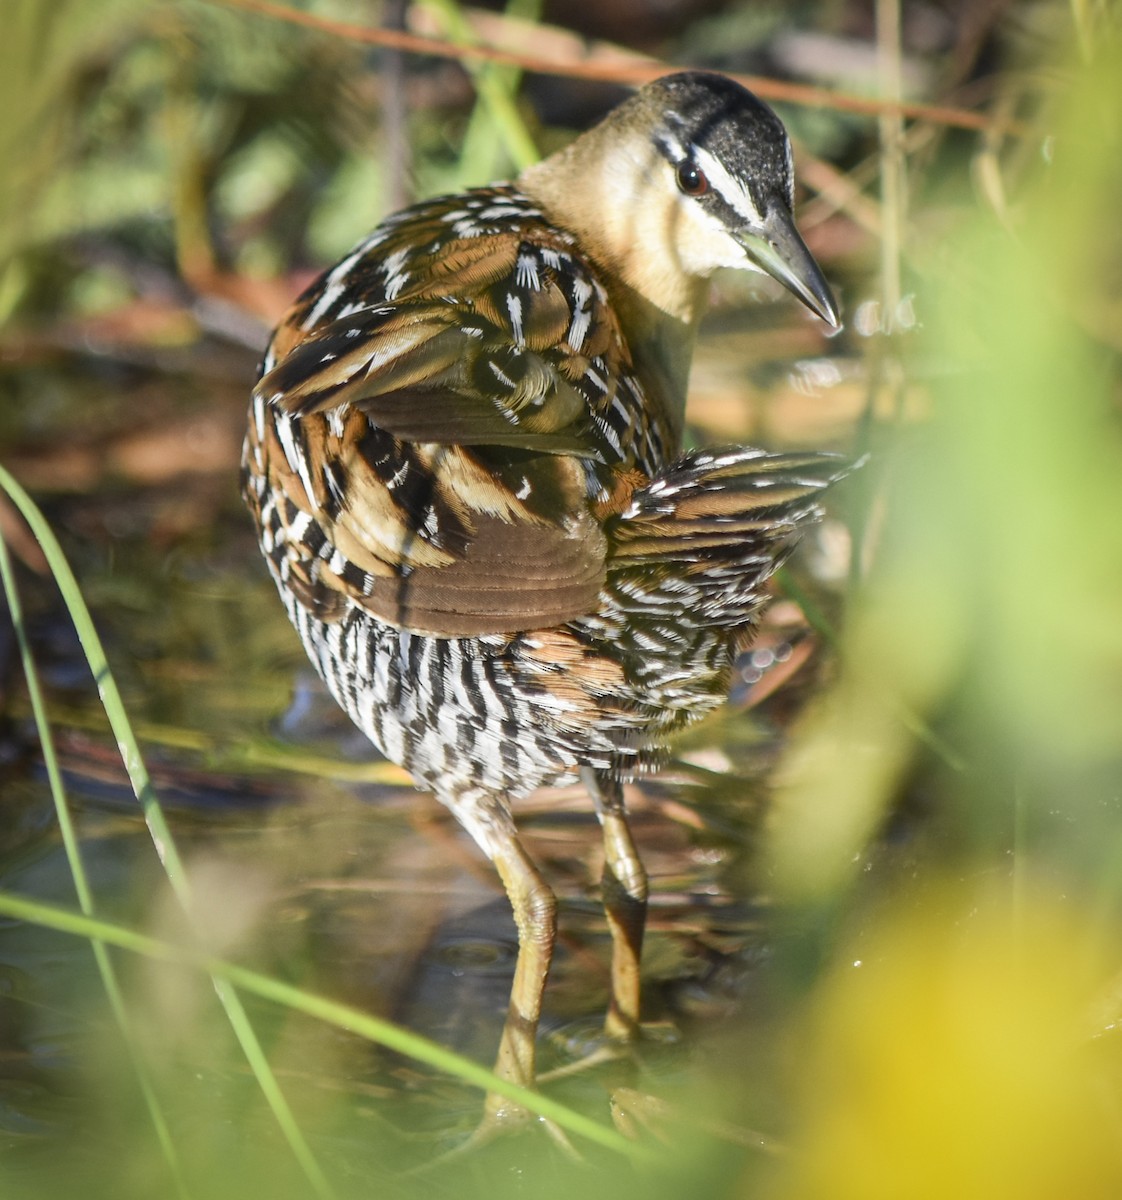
(587, 1051)
(501, 1119)
(502, 1116)
(638, 1115)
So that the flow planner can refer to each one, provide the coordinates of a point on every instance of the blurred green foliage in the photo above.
(993, 607)
(196, 138)
(977, 718)
(964, 1037)
(192, 134)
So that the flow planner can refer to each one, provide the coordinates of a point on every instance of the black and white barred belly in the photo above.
(483, 715)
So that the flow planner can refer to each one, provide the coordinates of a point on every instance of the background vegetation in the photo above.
(905, 970)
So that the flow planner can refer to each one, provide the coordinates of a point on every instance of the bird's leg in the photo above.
(535, 914)
(624, 888)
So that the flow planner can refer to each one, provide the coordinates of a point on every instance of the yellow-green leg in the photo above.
(535, 914)
(624, 889)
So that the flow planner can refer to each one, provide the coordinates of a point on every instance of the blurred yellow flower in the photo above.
(958, 1059)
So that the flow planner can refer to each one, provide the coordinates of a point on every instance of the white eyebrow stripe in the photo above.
(731, 190)
(672, 146)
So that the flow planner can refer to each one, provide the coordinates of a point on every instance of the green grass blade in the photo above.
(479, 156)
(157, 824)
(495, 88)
(81, 881)
(342, 1016)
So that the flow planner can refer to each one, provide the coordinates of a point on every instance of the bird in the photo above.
(464, 463)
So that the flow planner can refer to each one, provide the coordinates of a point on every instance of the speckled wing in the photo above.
(435, 417)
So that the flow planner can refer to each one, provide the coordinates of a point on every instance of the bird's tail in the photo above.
(705, 534)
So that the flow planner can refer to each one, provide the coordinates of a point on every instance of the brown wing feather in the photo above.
(429, 432)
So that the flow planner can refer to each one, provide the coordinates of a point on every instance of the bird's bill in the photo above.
(778, 250)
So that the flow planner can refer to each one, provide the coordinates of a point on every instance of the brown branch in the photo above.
(837, 192)
(620, 72)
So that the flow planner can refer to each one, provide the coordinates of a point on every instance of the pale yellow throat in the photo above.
(655, 247)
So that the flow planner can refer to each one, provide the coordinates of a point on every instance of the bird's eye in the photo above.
(691, 179)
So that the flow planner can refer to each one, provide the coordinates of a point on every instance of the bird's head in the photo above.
(690, 174)
(728, 159)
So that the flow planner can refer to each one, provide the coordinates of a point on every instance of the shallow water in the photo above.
(314, 861)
